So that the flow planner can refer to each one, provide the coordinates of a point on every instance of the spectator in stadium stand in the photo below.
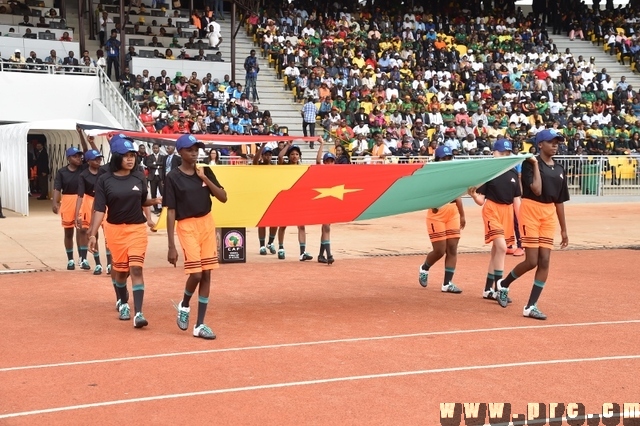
(71, 61)
(103, 21)
(25, 21)
(112, 46)
(17, 59)
(33, 59)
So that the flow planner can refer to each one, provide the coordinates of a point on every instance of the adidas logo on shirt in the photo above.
(135, 188)
(513, 180)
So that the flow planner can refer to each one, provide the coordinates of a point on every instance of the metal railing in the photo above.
(586, 175)
(33, 68)
(111, 98)
(117, 104)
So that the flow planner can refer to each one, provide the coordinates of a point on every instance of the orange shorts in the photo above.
(537, 224)
(68, 210)
(498, 222)
(197, 237)
(128, 244)
(445, 224)
(86, 211)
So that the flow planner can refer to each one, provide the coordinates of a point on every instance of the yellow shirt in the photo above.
(358, 61)
(368, 106)
(594, 132)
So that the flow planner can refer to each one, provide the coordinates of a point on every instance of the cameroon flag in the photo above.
(291, 195)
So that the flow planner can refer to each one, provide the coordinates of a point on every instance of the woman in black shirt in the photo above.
(65, 194)
(188, 191)
(498, 198)
(86, 194)
(544, 191)
(123, 190)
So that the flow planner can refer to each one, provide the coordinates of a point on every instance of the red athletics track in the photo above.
(401, 349)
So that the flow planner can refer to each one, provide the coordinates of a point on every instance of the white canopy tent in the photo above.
(14, 156)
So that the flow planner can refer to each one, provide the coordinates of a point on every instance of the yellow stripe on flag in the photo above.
(250, 191)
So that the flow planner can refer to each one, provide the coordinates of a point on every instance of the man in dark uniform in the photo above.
(155, 164)
(42, 166)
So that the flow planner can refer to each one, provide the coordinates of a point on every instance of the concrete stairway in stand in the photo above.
(603, 59)
(273, 96)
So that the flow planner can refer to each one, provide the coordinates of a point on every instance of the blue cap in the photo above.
(92, 154)
(122, 146)
(443, 151)
(548, 135)
(187, 141)
(73, 151)
(294, 148)
(502, 145)
(267, 150)
(327, 156)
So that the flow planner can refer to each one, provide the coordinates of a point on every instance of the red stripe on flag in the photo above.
(223, 139)
(333, 193)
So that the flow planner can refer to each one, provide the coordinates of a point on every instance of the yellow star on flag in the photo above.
(337, 191)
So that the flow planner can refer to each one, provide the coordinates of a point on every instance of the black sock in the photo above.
(281, 246)
(448, 275)
(115, 287)
(489, 283)
(186, 298)
(321, 249)
(271, 238)
(425, 266)
(138, 296)
(327, 247)
(108, 257)
(261, 242)
(82, 252)
(69, 254)
(510, 278)
(123, 294)
(302, 247)
(497, 274)
(96, 258)
(536, 290)
(202, 309)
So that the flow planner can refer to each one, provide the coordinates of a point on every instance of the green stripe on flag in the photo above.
(437, 184)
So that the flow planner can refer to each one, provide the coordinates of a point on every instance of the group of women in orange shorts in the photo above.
(537, 196)
(83, 195)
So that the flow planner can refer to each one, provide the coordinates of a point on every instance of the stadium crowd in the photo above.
(416, 79)
(388, 82)
(401, 84)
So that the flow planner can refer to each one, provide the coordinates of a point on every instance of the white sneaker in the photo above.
(489, 294)
(183, 317)
(203, 332)
(533, 312)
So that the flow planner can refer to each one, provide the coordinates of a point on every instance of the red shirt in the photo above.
(540, 74)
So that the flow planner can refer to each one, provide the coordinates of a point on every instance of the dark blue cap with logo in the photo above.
(443, 151)
(73, 151)
(327, 156)
(502, 145)
(122, 146)
(92, 154)
(548, 135)
(294, 148)
(187, 141)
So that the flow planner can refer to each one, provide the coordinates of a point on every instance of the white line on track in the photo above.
(314, 382)
(316, 343)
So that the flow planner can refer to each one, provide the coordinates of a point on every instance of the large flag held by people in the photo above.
(291, 195)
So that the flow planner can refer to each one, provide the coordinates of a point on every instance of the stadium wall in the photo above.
(30, 97)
